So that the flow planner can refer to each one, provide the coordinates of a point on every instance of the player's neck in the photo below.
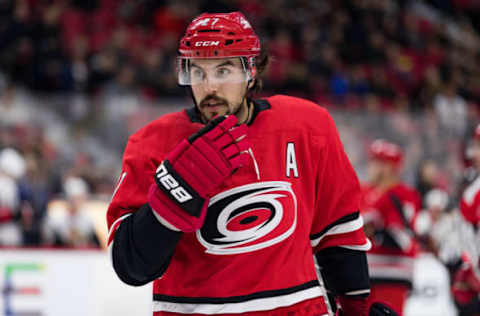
(387, 183)
(244, 114)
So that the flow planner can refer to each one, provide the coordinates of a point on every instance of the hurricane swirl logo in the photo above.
(249, 218)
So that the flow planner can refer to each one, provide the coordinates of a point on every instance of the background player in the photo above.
(389, 209)
(225, 217)
(466, 277)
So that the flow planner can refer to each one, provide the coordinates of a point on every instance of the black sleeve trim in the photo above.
(142, 247)
(343, 270)
(406, 283)
(345, 219)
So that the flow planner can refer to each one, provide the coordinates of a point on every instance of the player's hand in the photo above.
(380, 309)
(352, 306)
(194, 169)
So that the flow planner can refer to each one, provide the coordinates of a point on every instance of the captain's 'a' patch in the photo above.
(291, 161)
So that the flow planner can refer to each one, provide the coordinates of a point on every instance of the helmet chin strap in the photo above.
(248, 101)
(247, 68)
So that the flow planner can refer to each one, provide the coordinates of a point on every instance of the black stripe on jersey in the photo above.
(342, 220)
(385, 280)
(259, 106)
(234, 299)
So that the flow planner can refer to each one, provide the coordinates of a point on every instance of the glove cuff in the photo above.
(178, 190)
(171, 215)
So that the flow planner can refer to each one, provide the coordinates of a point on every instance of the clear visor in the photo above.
(192, 73)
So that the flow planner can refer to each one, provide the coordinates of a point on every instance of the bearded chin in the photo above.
(228, 111)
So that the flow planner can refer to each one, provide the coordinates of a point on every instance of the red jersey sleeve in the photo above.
(132, 186)
(470, 203)
(337, 220)
(398, 208)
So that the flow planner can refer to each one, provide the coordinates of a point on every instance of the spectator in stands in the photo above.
(427, 178)
(71, 226)
(451, 109)
(12, 168)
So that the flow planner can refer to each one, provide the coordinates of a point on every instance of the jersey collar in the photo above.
(258, 106)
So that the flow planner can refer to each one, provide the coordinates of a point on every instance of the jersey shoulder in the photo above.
(162, 125)
(295, 112)
(406, 193)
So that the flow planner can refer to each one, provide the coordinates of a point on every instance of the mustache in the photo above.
(212, 98)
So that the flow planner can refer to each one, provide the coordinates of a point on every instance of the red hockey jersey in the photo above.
(392, 213)
(470, 202)
(299, 194)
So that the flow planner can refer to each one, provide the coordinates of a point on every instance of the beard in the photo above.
(212, 106)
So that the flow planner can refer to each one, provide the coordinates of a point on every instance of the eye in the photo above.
(197, 74)
(223, 72)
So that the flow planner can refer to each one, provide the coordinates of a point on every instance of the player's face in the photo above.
(219, 87)
(379, 170)
(375, 171)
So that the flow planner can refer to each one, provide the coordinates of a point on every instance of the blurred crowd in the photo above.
(352, 53)
(78, 77)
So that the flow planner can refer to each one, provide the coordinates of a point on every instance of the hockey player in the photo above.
(389, 209)
(224, 205)
(466, 278)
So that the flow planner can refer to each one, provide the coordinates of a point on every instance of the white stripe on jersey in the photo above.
(115, 224)
(261, 304)
(365, 247)
(471, 191)
(358, 292)
(343, 228)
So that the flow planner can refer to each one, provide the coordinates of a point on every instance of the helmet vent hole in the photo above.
(197, 53)
(215, 53)
(208, 31)
(230, 33)
(187, 43)
(238, 40)
(228, 42)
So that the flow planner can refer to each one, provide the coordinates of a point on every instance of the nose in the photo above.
(210, 85)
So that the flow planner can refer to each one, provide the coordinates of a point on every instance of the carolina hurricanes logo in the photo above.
(248, 218)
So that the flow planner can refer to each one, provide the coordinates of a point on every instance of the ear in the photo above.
(253, 73)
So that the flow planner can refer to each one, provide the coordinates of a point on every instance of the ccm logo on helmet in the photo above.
(172, 186)
(207, 43)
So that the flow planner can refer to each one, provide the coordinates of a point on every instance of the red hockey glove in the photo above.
(466, 283)
(352, 306)
(380, 309)
(196, 167)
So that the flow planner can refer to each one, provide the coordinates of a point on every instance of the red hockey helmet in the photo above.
(386, 151)
(218, 35)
